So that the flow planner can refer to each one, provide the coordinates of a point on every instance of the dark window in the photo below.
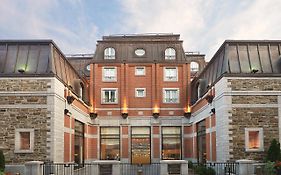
(79, 143)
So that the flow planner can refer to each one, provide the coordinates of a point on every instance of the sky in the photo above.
(76, 25)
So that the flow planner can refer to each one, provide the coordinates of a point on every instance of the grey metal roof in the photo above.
(240, 58)
(35, 58)
(154, 46)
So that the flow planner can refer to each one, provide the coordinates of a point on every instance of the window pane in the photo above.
(194, 66)
(24, 140)
(110, 143)
(140, 145)
(254, 142)
(109, 53)
(170, 74)
(171, 141)
(170, 53)
(109, 96)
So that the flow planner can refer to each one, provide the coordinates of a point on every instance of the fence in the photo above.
(221, 168)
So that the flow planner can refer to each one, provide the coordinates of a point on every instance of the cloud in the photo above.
(204, 25)
(49, 19)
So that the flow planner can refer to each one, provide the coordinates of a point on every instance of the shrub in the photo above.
(190, 164)
(273, 153)
(269, 168)
(202, 170)
(2, 162)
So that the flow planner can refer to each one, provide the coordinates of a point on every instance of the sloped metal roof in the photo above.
(240, 58)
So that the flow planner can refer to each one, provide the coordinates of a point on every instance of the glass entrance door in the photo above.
(140, 145)
(201, 142)
(79, 143)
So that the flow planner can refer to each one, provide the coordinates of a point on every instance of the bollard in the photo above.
(139, 172)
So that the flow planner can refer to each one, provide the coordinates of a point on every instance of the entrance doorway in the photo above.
(79, 143)
(140, 145)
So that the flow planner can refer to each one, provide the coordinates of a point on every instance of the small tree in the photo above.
(273, 153)
(2, 161)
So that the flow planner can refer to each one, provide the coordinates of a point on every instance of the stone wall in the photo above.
(266, 118)
(261, 84)
(22, 107)
(253, 106)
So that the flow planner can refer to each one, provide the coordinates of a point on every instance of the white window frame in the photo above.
(168, 55)
(103, 95)
(260, 130)
(111, 53)
(139, 67)
(165, 74)
(136, 92)
(104, 79)
(164, 94)
(17, 140)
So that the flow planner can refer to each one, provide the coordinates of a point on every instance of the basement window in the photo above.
(254, 139)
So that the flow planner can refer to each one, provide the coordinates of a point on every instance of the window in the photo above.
(140, 92)
(78, 143)
(24, 140)
(109, 74)
(109, 96)
(140, 52)
(171, 143)
(110, 143)
(88, 67)
(81, 91)
(140, 145)
(254, 139)
(109, 53)
(140, 71)
(170, 54)
(194, 66)
(171, 95)
(170, 74)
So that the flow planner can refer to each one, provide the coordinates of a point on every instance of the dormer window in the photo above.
(109, 53)
(194, 66)
(170, 54)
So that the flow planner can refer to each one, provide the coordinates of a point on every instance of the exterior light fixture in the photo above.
(155, 114)
(70, 99)
(254, 71)
(93, 115)
(209, 98)
(21, 71)
(66, 112)
(213, 110)
(124, 115)
(187, 114)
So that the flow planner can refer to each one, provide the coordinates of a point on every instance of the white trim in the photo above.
(255, 105)
(164, 73)
(115, 74)
(17, 140)
(169, 56)
(25, 106)
(102, 95)
(178, 93)
(136, 92)
(111, 55)
(140, 67)
(261, 148)
(144, 109)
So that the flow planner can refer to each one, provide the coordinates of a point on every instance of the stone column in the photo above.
(245, 167)
(34, 168)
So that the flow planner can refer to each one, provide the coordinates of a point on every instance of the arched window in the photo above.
(194, 66)
(170, 54)
(109, 53)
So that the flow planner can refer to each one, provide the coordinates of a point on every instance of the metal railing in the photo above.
(221, 168)
(143, 169)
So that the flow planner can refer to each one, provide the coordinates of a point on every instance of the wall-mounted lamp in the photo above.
(187, 114)
(209, 98)
(213, 110)
(21, 71)
(70, 99)
(124, 115)
(66, 112)
(155, 115)
(93, 115)
(254, 71)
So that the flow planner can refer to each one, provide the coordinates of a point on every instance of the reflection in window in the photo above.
(171, 95)
(109, 53)
(140, 145)
(170, 74)
(110, 143)
(194, 67)
(171, 143)
(254, 142)
(170, 54)
(109, 96)
(109, 73)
